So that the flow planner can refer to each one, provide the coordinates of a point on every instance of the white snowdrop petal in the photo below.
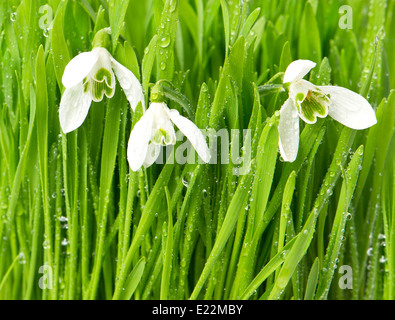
(78, 68)
(297, 70)
(162, 122)
(289, 131)
(129, 83)
(104, 62)
(193, 133)
(350, 108)
(152, 154)
(300, 87)
(74, 108)
(139, 140)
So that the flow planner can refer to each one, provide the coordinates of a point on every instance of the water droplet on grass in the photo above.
(63, 219)
(186, 179)
(164, 42)
(45, 245)
(46, 32)
(173, 5)
(22, 258)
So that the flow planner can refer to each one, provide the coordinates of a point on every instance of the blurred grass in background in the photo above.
(77, 223)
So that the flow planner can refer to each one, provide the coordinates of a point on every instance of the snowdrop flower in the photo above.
(308, 101)
(156, 129)
(89, 77)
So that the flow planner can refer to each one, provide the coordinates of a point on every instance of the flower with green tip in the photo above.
(156, 129)
(89, 77)
(309, 102)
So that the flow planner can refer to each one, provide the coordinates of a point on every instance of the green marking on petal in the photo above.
(315, 104)
(300, 97)
(97, 91)
(101, 84)
(86, 85)
(162, 137)
(103, 75)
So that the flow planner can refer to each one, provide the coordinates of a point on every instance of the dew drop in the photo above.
(173, 5)
(382, 236)
(46, 32)
(63, 219)
(164, 42)
(22, 258)
(45, 245)
(163, 66)
(185, 181)
(360, 151)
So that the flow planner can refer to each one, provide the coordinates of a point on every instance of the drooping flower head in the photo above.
(89, 77)
(309, 102)
(156, 129)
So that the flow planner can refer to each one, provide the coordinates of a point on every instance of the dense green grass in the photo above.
(77, 223)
